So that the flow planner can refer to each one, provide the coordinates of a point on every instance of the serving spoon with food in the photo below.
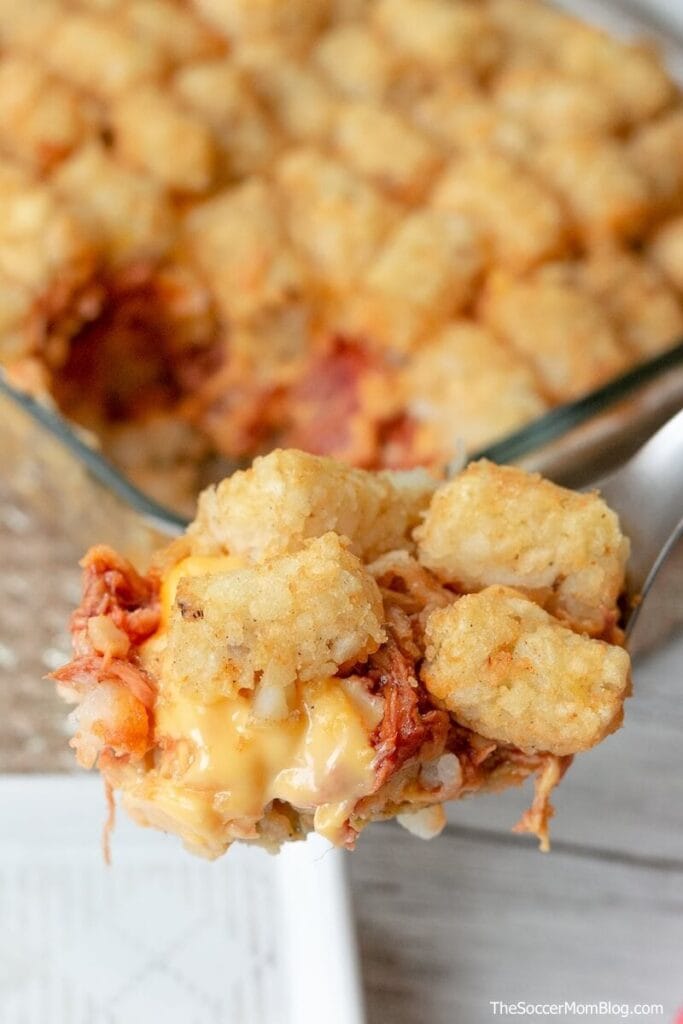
(646, 492)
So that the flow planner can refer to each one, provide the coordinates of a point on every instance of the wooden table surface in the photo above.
(447, 926)
(479, 915)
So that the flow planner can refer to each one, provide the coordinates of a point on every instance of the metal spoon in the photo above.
(647, 494)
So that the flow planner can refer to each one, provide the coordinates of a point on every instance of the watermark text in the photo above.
(572, 1008)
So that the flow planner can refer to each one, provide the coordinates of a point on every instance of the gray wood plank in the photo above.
(446, 926)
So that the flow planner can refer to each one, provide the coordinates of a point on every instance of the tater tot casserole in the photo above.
(373, 229)
(327, 646)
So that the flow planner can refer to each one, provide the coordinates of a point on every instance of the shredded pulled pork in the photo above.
(115, 695)
(413, 727)
(410, 594)
(112, 587)
(537, 818)
(410, 725)
(150, 340)
(81, 673)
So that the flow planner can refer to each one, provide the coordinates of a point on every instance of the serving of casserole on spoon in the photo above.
(326, 646)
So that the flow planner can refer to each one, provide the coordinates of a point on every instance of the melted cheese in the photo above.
(320, 759)
(220, 767)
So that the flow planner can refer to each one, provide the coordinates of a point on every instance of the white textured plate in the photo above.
(161, 935)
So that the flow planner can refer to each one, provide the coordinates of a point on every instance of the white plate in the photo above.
(161, 935)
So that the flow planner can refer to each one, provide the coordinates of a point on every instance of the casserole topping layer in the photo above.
(366, 228)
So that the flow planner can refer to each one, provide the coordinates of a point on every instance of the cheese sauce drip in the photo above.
(220, 766)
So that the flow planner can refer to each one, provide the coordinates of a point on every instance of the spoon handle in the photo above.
(647, 493)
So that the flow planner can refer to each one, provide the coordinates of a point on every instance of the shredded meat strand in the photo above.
(413, 726)
(113, 587)
(82, 673)
(110, 821)
(409, 722)
(121, 729)
(536, 820)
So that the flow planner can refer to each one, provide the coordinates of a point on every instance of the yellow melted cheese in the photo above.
(222, 767)
(319, 756)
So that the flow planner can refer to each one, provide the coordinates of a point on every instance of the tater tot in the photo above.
(297, 97)
(287, 497)
(155, 133)
(125, 211)
(560, 328)
(606, 195)
(239, 241)
(355, 62)
(219, 92)
(29, 26)
(495, 524)
(424, 273)
(334, 216)
(632, 74)
(538, 26)
(176, 31)
(98, 55)
(637, 297)
(41, 118)
(463, 118)
(508, 670)
(656, 149)
(295, 20)
(298, 616)
(463, 386)
(386, 148)
(42, 246)
(551, 104)
(520, 219)
(439, 33)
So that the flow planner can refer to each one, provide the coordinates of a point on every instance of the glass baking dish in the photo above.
(581, 441)
(575, 444)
